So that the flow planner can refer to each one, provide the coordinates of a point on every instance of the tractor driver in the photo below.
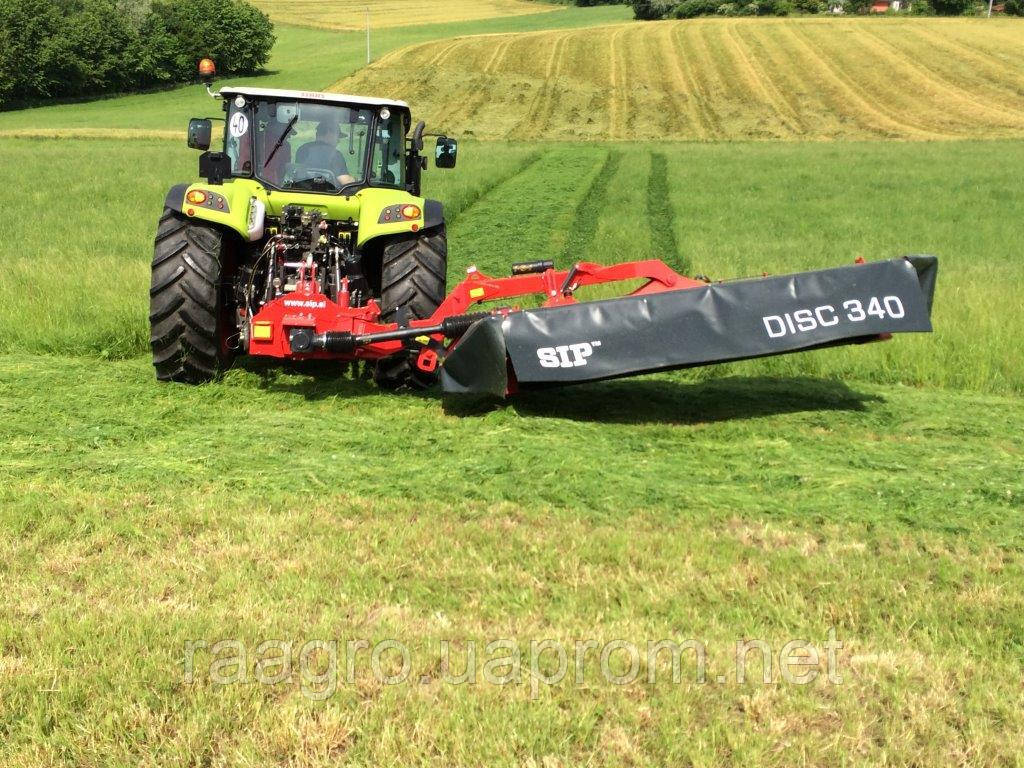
(323, 153)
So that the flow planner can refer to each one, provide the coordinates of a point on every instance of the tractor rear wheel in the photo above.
(188, 329)
(413, 278)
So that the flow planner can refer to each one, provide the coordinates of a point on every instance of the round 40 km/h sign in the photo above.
(239, 125)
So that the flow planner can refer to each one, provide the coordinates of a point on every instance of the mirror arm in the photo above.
(417, 136)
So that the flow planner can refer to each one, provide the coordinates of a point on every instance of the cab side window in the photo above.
(387, 167)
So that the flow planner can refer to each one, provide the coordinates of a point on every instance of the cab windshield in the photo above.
(312, 146)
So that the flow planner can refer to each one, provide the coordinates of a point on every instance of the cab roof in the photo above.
(335, 98)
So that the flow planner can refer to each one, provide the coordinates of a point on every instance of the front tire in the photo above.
(414, 272)
(188, 333)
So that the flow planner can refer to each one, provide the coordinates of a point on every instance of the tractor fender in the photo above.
(176, 197)
(433, 213)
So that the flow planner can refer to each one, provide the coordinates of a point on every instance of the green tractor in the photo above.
(319, 185)
(308, 240)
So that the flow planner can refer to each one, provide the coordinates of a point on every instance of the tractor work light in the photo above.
(411, 211)
(196, 197)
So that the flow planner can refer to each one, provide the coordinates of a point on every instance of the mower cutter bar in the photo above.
(696, 324)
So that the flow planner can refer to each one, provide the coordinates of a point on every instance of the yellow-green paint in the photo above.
(363, 207)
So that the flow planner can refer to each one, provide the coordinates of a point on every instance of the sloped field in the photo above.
(351, 14)
(719, 79)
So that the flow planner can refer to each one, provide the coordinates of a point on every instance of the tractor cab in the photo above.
(321, 143)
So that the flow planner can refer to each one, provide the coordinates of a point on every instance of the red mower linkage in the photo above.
(669, 321)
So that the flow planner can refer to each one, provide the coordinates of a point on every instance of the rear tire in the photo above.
(186, 314)
(413, 277)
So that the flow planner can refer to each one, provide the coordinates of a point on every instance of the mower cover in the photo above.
(692, 326)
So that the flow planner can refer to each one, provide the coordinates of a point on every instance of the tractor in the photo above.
(308, 240)
(306, 186)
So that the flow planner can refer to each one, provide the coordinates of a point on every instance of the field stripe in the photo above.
(545, 102)
(441, 55)
(778, 69)
(500, 51)
(678, 88)
(705, 74)
(998, 71)
(710, 79)
(758, 80)
(90, 133)
(589, 210)
(712, 127)
(618, 99)
(519, 218)
(660, 215)
(452, 214)
(853, 92)
(957, 96)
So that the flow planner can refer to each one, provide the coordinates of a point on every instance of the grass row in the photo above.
(721, 210)
(137, 517)
(745, 210)
(712, 79)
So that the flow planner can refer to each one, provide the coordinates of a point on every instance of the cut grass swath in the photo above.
(915, 79)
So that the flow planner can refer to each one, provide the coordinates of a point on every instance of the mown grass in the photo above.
(303, 58)
(713, 79)
(721, 210)
(303, 504)
(137, 517)
(351, 14)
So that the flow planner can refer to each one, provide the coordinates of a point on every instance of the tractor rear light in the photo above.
(196, 197)
(411, 211)
(263, 331)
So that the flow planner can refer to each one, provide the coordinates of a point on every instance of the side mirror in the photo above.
(214, 167)
(200, 131)
(446, 152)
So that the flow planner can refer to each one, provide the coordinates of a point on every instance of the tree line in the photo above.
(78, 48)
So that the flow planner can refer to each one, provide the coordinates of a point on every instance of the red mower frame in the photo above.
(306, 324)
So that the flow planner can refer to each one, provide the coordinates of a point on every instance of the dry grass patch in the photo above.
(351, 14)
(708, 79)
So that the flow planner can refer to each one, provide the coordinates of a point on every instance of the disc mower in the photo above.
(308, 239)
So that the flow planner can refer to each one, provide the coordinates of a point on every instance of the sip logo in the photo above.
(566, 355)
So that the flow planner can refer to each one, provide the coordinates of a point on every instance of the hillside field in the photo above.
(351, 14)
(873, 491)
(303, 58)
(712, 79)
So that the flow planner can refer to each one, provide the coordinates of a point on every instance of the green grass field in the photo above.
(82, 289)
(875, 491)
(137, 518)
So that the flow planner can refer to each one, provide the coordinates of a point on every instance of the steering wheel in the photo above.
(310, 174)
